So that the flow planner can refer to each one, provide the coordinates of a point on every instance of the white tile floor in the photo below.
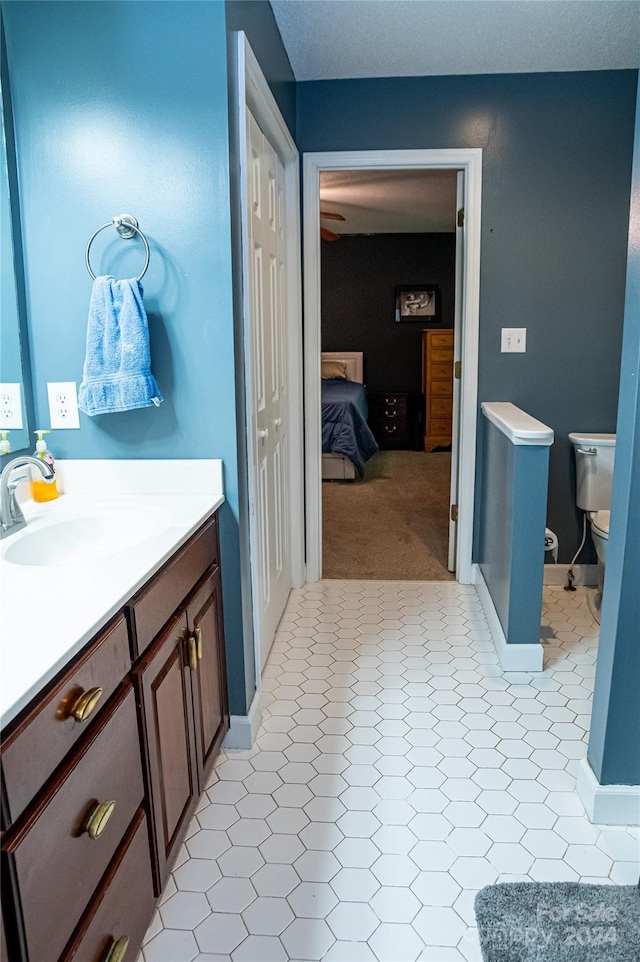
(398, 770)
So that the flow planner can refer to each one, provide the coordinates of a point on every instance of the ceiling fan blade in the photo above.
(327, 216)
(328, 235)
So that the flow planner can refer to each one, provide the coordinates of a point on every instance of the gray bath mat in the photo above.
(558, 922)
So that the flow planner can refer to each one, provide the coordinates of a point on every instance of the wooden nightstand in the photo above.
(394, 419)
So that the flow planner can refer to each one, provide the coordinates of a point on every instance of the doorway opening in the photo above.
(388, 296)
(422, 299)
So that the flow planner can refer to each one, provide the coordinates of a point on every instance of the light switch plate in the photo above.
(63, 405)
(10, 407)
(514, 340)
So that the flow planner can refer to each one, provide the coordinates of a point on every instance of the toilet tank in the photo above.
(595, 454)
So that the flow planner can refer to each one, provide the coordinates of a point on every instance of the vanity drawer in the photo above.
(43, 735)
(114, 915)
(153, 606)
(54, 864)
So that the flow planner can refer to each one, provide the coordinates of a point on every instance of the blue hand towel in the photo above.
(117, 373)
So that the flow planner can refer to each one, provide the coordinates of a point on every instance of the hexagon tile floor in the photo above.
(397, 771)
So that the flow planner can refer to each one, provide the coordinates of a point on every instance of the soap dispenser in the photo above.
(44, 490)
(5, 444)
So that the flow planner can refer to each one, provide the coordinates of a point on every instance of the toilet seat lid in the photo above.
(600, 523)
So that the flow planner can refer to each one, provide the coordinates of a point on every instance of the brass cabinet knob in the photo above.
(83, 706)
(98, 818)
(118, 949)
(198, 636)
(192, 652)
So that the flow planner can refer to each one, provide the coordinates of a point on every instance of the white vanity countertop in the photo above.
(49, 612)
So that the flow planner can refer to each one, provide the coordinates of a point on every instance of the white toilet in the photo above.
(595, 455)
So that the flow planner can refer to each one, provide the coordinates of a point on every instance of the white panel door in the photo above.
(269, 414)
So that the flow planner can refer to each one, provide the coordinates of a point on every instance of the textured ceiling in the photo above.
(389, 201)
(337, 39)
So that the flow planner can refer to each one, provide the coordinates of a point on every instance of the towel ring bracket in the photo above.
(127, 227)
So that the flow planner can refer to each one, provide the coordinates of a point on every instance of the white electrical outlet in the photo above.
(10, 407)
(63, 405)
(514, 340)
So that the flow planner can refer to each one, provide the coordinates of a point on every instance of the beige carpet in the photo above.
(394, 524)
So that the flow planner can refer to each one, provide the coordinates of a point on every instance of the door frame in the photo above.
(252, 91)
(470, 161)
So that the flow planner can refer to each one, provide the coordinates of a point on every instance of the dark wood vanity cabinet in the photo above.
(96, 808)
(182, 696)
(164, 692)
(208, 682)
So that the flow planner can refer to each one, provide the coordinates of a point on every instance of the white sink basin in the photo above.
(96, 533)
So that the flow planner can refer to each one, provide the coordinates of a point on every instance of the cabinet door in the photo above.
(204, 616)
(164, 692)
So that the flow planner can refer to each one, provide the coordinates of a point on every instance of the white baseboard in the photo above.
(243, 729)
(584, 574)
(607, 804)
(512, 657)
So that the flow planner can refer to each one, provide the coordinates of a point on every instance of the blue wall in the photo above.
(614, 745)
(14, 356)
(511, 525)
(556, 173)
(122, 107)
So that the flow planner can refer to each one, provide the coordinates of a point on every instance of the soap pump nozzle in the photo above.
(5, 443)
(44, 490)
(41, 444)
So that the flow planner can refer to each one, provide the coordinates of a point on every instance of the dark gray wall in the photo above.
(556, 180)
(359, 278)
(614, 747)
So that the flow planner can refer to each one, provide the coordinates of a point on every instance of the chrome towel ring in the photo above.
(127, 226)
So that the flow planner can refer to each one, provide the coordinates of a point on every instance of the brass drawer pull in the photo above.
(390, 400)
(118, 950)
(390, 430)
(192, 652)
(198, 636)
(83, 707)
(98, 818)
(391, 414)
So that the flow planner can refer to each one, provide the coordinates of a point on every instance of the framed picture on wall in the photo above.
(418, 302)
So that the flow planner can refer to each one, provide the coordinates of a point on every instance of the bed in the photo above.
(347, 441)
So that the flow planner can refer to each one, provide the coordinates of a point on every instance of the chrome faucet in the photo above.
(11, 516)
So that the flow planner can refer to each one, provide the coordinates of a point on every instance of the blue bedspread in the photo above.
(344, 422)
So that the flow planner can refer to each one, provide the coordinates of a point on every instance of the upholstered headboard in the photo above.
(353, 361)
